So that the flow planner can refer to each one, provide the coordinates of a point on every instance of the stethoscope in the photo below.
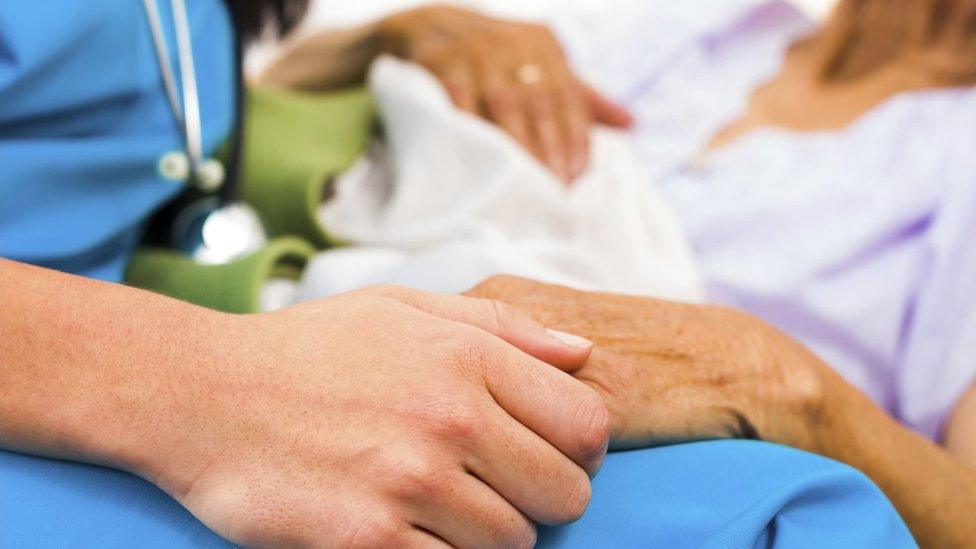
(217, 227)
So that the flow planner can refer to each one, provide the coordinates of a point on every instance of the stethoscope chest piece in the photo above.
(212, 229)
(213, 234)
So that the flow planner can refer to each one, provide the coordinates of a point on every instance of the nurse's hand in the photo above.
(673, 372)
(382, 418)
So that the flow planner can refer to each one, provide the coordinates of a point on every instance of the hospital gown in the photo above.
(860, 242)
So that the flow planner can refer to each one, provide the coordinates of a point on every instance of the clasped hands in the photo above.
(673, 372)
(393, 417)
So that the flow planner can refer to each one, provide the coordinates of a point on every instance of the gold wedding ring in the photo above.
(529, 74)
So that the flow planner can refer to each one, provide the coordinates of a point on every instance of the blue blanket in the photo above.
(709, 494)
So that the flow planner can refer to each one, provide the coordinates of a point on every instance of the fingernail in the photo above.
(573, 341)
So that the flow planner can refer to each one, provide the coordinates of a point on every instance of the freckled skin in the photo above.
(671, 372)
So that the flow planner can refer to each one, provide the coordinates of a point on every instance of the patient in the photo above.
(833, 195)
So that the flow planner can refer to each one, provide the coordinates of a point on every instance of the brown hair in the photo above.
(939, 36)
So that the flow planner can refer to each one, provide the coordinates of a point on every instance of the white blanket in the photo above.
(449, 200)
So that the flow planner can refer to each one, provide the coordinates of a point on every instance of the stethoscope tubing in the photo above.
(217, 227)
(185, 106)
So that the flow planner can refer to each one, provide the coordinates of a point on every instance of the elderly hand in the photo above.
(514, 74)
(673, 372)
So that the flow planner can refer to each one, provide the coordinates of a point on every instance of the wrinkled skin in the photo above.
(673, 372)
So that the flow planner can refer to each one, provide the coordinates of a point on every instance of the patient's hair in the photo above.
(255, 17)
(937, 35)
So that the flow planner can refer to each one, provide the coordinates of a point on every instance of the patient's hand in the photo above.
(671, 372)
(514, 74)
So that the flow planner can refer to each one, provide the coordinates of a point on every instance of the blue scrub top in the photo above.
(84, 121)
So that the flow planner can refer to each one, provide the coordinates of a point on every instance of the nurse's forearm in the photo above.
(82, 363)
(270, 430)
(934, 492)
(326, 60)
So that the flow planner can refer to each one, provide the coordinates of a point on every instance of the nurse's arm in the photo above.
(357, 421)
(672, 371)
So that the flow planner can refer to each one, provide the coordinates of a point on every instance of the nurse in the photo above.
(130, 418)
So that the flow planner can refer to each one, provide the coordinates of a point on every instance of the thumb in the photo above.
(567, 352)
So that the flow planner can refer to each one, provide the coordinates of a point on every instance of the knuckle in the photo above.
(808, 392)
(501, 101)
(455, 423)
(540, 100)
(461, 426)
(419, 479)
(568, 98)
(595, 425)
